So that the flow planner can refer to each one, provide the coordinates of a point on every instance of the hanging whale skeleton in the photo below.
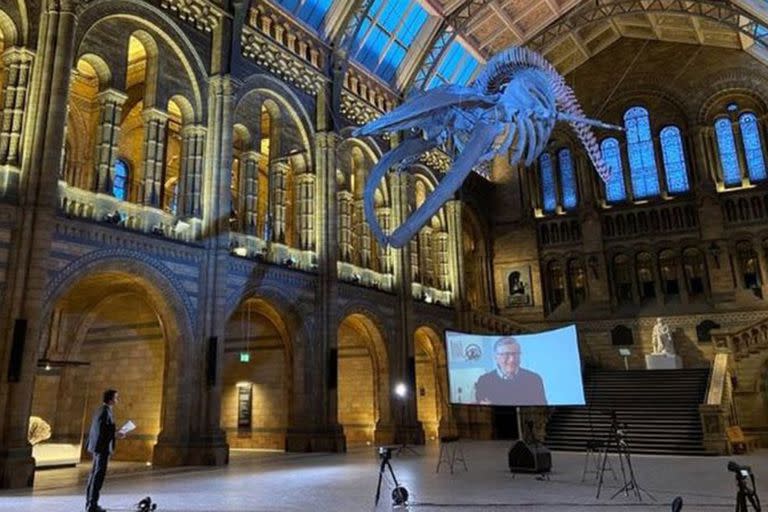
(513, 105)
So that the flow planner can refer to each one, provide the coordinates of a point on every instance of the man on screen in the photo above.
(508, 384)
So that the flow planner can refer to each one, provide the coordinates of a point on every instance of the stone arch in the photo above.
(160, 27)
(100, 67)
(92, 294)
(9, 30)
(432, 404)
(363, 379)
(261, 330)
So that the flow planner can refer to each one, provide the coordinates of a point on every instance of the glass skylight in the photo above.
(386, 33)
(311, 12)
(456, 67)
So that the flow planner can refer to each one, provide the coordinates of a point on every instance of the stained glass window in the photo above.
(456, 67)
(614, 187)
(567, 178)
(674, 160)
(726, 147)
(312, 12)
(753, 147)
(642, 160)
(386, 33)
(547, 182)
(120, 179)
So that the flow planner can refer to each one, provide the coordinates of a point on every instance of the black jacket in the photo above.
(525, 388)
(101, 437)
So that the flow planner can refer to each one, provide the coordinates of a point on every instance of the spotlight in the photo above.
(240, 251)
(356, 278)
(401, 390)
(289, 261)
(113, 218)
(157, 230)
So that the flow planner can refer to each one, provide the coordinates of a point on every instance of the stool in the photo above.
(593, 457)
(451, 452)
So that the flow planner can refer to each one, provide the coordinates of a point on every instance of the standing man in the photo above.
(101, 444)
(508, 384)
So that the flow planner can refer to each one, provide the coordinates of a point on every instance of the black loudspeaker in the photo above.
(529, 458)
(210, 366)
(17, 349)
(332, 378)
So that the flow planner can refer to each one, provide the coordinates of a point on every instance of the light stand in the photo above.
(618, 442)
(401, 394)
(625, 353)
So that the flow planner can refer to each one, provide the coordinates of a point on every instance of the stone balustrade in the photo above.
(84, 204)
(364, 276)
(650, 219)
(743, 342)
(479, 322)
(745, 207)
(431, 295)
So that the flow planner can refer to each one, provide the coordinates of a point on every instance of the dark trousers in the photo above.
(96, 480)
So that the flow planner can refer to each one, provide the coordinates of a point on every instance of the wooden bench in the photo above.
(738, 442)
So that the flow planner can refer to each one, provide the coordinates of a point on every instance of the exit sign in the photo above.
(245, 357)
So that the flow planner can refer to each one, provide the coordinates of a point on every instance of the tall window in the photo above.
(120, 181)
(614, 188)
(674, 160)
(642, 160)
(456, 67)
(567, 178)
(753, 147)
(726, 147)
(547, 183)
(385, 34)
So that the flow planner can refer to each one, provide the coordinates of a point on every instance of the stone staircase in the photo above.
(660, 409)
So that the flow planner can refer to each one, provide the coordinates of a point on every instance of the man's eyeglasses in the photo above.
(507, 355)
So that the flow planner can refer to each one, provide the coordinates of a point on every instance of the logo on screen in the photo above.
(472, 352)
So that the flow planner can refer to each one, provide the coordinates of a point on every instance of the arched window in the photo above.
(693, 266)
(753, 147)
(750, 267)
(614, 187)
(668, 271)
(645, 278)
(642, 161)
(622, 275)
(120, 181)
(556, 281)
(726, 147)
(674, 160)
(567, 178)
(547, 183)
(577, 283)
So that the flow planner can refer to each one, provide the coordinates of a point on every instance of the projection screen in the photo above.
(521, 369)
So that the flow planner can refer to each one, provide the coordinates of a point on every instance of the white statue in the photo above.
(662, 339)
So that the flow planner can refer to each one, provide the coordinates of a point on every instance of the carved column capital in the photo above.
(16, 55)
(112, 96)
(154, 114)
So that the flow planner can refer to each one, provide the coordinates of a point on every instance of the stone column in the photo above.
(441, 263)
(249, 206)
(401, 346)
(315, 425)
(16, 66)
(32, 232)
(193, 434)
(363, 235)
(192, 147)
(279, 195)
(384, 214)
(155, 127)
(426, 264)
(110, 106)
(345, 225)
(305, 185)
(455, 253)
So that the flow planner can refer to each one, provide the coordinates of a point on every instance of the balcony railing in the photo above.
(84, 204)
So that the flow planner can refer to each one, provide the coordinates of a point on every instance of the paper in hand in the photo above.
(129, 425)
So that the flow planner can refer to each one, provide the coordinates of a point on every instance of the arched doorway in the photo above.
(363, 382)
(256, 395)
(431, 382)
(109, 329)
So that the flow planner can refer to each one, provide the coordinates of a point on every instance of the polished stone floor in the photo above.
(274, 481)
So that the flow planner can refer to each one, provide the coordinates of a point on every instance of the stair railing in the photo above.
(718, 412)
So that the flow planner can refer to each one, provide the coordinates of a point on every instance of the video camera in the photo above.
(741, 471)
(385, 452)
(745, 480)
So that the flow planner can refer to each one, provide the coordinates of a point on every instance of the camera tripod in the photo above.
(399, 494)
(617, 443)
(746, 493)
